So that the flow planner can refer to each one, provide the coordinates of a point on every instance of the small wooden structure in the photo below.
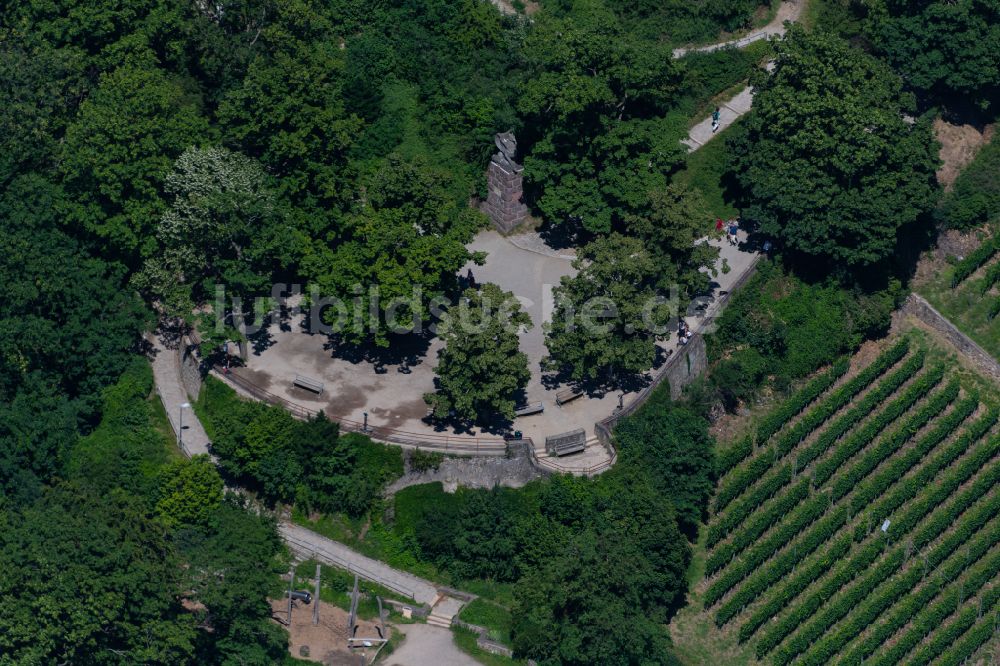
(566, 395)
(566, 443)
(308, 384)
(527, 410)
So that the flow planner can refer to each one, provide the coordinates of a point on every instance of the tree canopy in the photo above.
(828, 161)
(90, 580)
(602, 596)
(608, 316)
(223, 224)
(119, 150)
(674, 444)
(481, 368)
(592, 103)
(407, 244)
(948, 51)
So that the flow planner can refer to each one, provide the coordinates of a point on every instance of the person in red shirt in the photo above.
(718, 224)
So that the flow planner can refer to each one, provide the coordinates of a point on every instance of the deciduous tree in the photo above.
(673, 226)
(120, 149)
(90, 580)
(481, 369)
(190, 490)
(593, 101)
(945, 49)
(830, 165)
(223, 224)
(608, 316)
(407, 241)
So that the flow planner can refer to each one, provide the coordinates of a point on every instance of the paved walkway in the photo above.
(739, 105)
(426, 645)
(391, 394)
(167, 377)
(790, 10)
(308, 544)
(729, 113)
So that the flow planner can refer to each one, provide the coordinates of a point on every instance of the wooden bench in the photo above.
(527, 410)
(308, 384)
(566, 443)
(566, 395)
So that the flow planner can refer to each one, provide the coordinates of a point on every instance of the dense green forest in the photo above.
(151, 149)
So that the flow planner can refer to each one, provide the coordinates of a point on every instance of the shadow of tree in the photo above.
(598, 387)
(492, 424)
(564, 235)
(404, 351)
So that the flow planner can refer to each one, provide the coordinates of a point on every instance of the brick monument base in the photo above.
(504, 204)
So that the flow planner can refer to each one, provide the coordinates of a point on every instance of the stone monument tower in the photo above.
(504, 204)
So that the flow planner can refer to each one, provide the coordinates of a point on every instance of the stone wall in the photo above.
(479, 472)
(190, 366)
(483, 638)
(691, 361)
(919, 307)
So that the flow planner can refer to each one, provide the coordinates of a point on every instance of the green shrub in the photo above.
(672, 444)
(125, 450)
(794, 326)
(308, 462)
(423, 461)
(994, 310)
(976, 194)
(976, 258)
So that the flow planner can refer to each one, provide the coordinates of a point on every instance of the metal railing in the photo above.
(469, 446)
(305, 549)
(480, 446)
(553, 466)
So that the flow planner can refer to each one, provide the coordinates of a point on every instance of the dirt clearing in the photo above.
(327, 641)
(959, 145)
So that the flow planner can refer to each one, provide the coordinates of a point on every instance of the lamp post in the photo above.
(180, 428)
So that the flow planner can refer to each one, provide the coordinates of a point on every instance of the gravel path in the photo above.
(790, 10)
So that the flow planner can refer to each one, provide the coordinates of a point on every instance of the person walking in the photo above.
(718, 224)
(733, 228)
(716, 118)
